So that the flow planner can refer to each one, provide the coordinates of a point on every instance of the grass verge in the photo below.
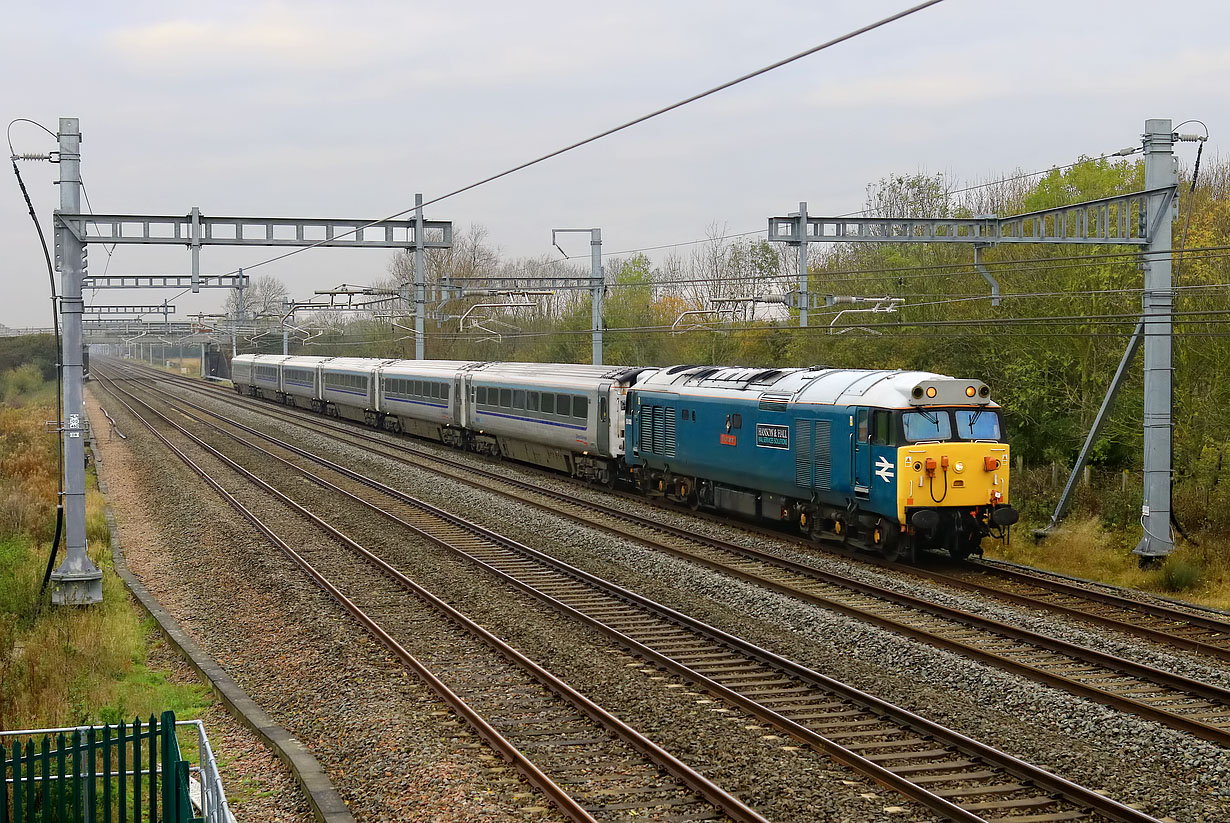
(63, 666)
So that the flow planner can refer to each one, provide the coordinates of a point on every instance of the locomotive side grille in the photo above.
(658, 430)
(822, 459)
(812, 454)
(803, 453)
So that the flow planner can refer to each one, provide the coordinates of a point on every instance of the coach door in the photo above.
(861, 456)
(602, 417)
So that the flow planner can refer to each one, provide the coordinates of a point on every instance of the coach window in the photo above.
(548, 403)
(533, 401)
(519, 399)
(481, 395)
(445, 391)
(882, 431)
(864, 424)
(562, 405)
(580, 407)
(506, 398)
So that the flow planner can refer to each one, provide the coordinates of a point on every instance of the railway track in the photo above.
(1186, 628)
(956, 776)
(1192, 706)
(585, 761)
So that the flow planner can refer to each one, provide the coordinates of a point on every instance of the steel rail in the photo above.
(1178, 617)
(1029, 774)
(1035, 670)
(722, 800)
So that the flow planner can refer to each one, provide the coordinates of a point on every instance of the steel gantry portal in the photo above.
(1141, 219)
(77, 580)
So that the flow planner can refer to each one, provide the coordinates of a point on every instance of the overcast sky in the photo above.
(347, 109)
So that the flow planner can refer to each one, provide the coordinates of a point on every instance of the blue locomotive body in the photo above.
(837, 451)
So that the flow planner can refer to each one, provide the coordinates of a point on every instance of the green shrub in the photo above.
(1179, 575)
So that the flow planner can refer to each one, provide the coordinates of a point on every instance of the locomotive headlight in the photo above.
(930, 391)
(958, 467)
(970, 391)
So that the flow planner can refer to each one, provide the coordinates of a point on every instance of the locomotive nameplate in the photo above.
(771, 436)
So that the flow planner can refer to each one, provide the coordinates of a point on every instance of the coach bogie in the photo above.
(456, 437)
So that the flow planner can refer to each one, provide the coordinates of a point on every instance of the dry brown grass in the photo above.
(1083, 547)
(66, 665)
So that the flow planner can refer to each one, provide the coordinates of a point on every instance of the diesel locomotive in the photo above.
(890, 461)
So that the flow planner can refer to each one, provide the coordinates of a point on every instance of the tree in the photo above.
(262, 298)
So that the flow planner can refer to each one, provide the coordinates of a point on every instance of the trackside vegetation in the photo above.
(1047, 351)
(63, 666)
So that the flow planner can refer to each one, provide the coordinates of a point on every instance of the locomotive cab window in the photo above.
(977, 424)
(926, 425)
(864, 425)
(883, 432)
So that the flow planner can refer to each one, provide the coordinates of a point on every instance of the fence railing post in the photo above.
(152, 730)
(76, 781)
(60, 777)
(136, 770)
(4, 785)
(168, 777)
(45, 800)
(17, 801)
(123, 758)
(106, 746)
(91, 806)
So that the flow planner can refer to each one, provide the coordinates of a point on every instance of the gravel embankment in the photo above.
(1128, 758)
(385, 741)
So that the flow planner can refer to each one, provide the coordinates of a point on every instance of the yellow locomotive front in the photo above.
(953, 468)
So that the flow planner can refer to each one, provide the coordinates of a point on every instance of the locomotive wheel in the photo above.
(884, 537)
(964, 546)
(841, 529)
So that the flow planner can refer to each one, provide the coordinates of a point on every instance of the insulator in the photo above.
(31, 156)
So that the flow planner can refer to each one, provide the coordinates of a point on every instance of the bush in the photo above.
(22, 380)
(1179, 575)
(1120, 509)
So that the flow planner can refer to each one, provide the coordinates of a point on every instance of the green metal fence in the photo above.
(125, 773)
